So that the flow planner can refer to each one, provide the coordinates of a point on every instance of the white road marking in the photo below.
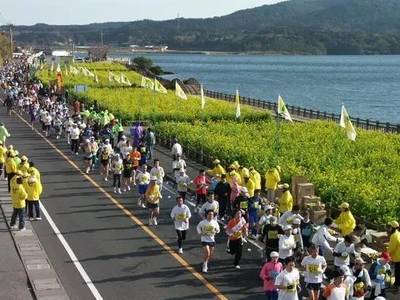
(72, 255)
(219, 221)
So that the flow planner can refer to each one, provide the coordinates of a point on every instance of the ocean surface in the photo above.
(369, 86)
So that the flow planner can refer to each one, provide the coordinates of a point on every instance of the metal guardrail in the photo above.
(306, 113)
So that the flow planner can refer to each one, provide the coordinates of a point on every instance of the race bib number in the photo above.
(244, 205)
(182, 186)
(272, 235)
(181, 217)
(209, 230)
(237, 234)
(313, 268)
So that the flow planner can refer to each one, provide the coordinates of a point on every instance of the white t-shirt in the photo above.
(313, 266)
(265, 219)
(214, 206)
(338, 293)
(286, 246)
(288, 217)
(208, 230)
(178, 165)
(286, 278)
(342, 248)
(159, 173)
(182, 183)
(176, 149)
(75, 132)
(180, 215)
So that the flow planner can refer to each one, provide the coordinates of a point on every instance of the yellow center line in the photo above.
(135, 219)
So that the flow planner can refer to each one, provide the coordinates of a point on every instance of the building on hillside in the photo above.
(61, 57)
(148, 48)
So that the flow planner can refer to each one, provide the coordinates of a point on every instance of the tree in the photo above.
(5, 47)
(143, 63)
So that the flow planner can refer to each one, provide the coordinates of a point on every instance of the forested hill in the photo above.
(296, 26)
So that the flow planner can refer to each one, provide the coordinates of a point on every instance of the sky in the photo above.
(28, 12)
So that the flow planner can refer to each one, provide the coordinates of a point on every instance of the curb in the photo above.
(44, 281)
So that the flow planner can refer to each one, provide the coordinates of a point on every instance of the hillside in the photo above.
(296, 26)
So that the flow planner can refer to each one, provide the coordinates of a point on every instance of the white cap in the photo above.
(296, 221)
(274, 254)
(287, 227)
(346, 270)
(269, 207)
(244, 190)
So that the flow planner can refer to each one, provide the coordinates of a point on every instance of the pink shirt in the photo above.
(235, 191)
(268, 274)
(201, 183)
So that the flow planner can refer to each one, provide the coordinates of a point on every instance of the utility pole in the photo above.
(11, 41)
(101, 37)
(178, 25)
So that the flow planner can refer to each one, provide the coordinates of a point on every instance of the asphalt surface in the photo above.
(121, 258)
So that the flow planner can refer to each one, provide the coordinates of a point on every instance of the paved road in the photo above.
(122, 256)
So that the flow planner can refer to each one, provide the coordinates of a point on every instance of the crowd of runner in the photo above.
(230, 196)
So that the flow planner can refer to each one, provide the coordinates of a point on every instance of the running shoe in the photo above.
(38, 219)
(180, 250)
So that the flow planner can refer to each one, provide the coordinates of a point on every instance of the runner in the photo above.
(286, 243)
(181, 215)
(222, 191)
(336, 290)
(106, 152)
(179, 164)
(201, 182)
(362, 284)
(117, 168)
(207, 229)
(268, 275)
(182, 184)
(158, 172)
(127, 173)
(315, 266)
(153, 197)
(88, 153)
(271, 232)
(210, 204)
(135, 156)
(236, 229)
(74, 134)
(288, 281)
(144, 179)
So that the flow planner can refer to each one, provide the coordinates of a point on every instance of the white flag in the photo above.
(203, 100)
(345, 122)
(52, 67)
(147, 83)
(96, 79)
(282, 110)
(179, 91)
(58, 70)
(238, 113)
(158, 87)
(110, 77)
